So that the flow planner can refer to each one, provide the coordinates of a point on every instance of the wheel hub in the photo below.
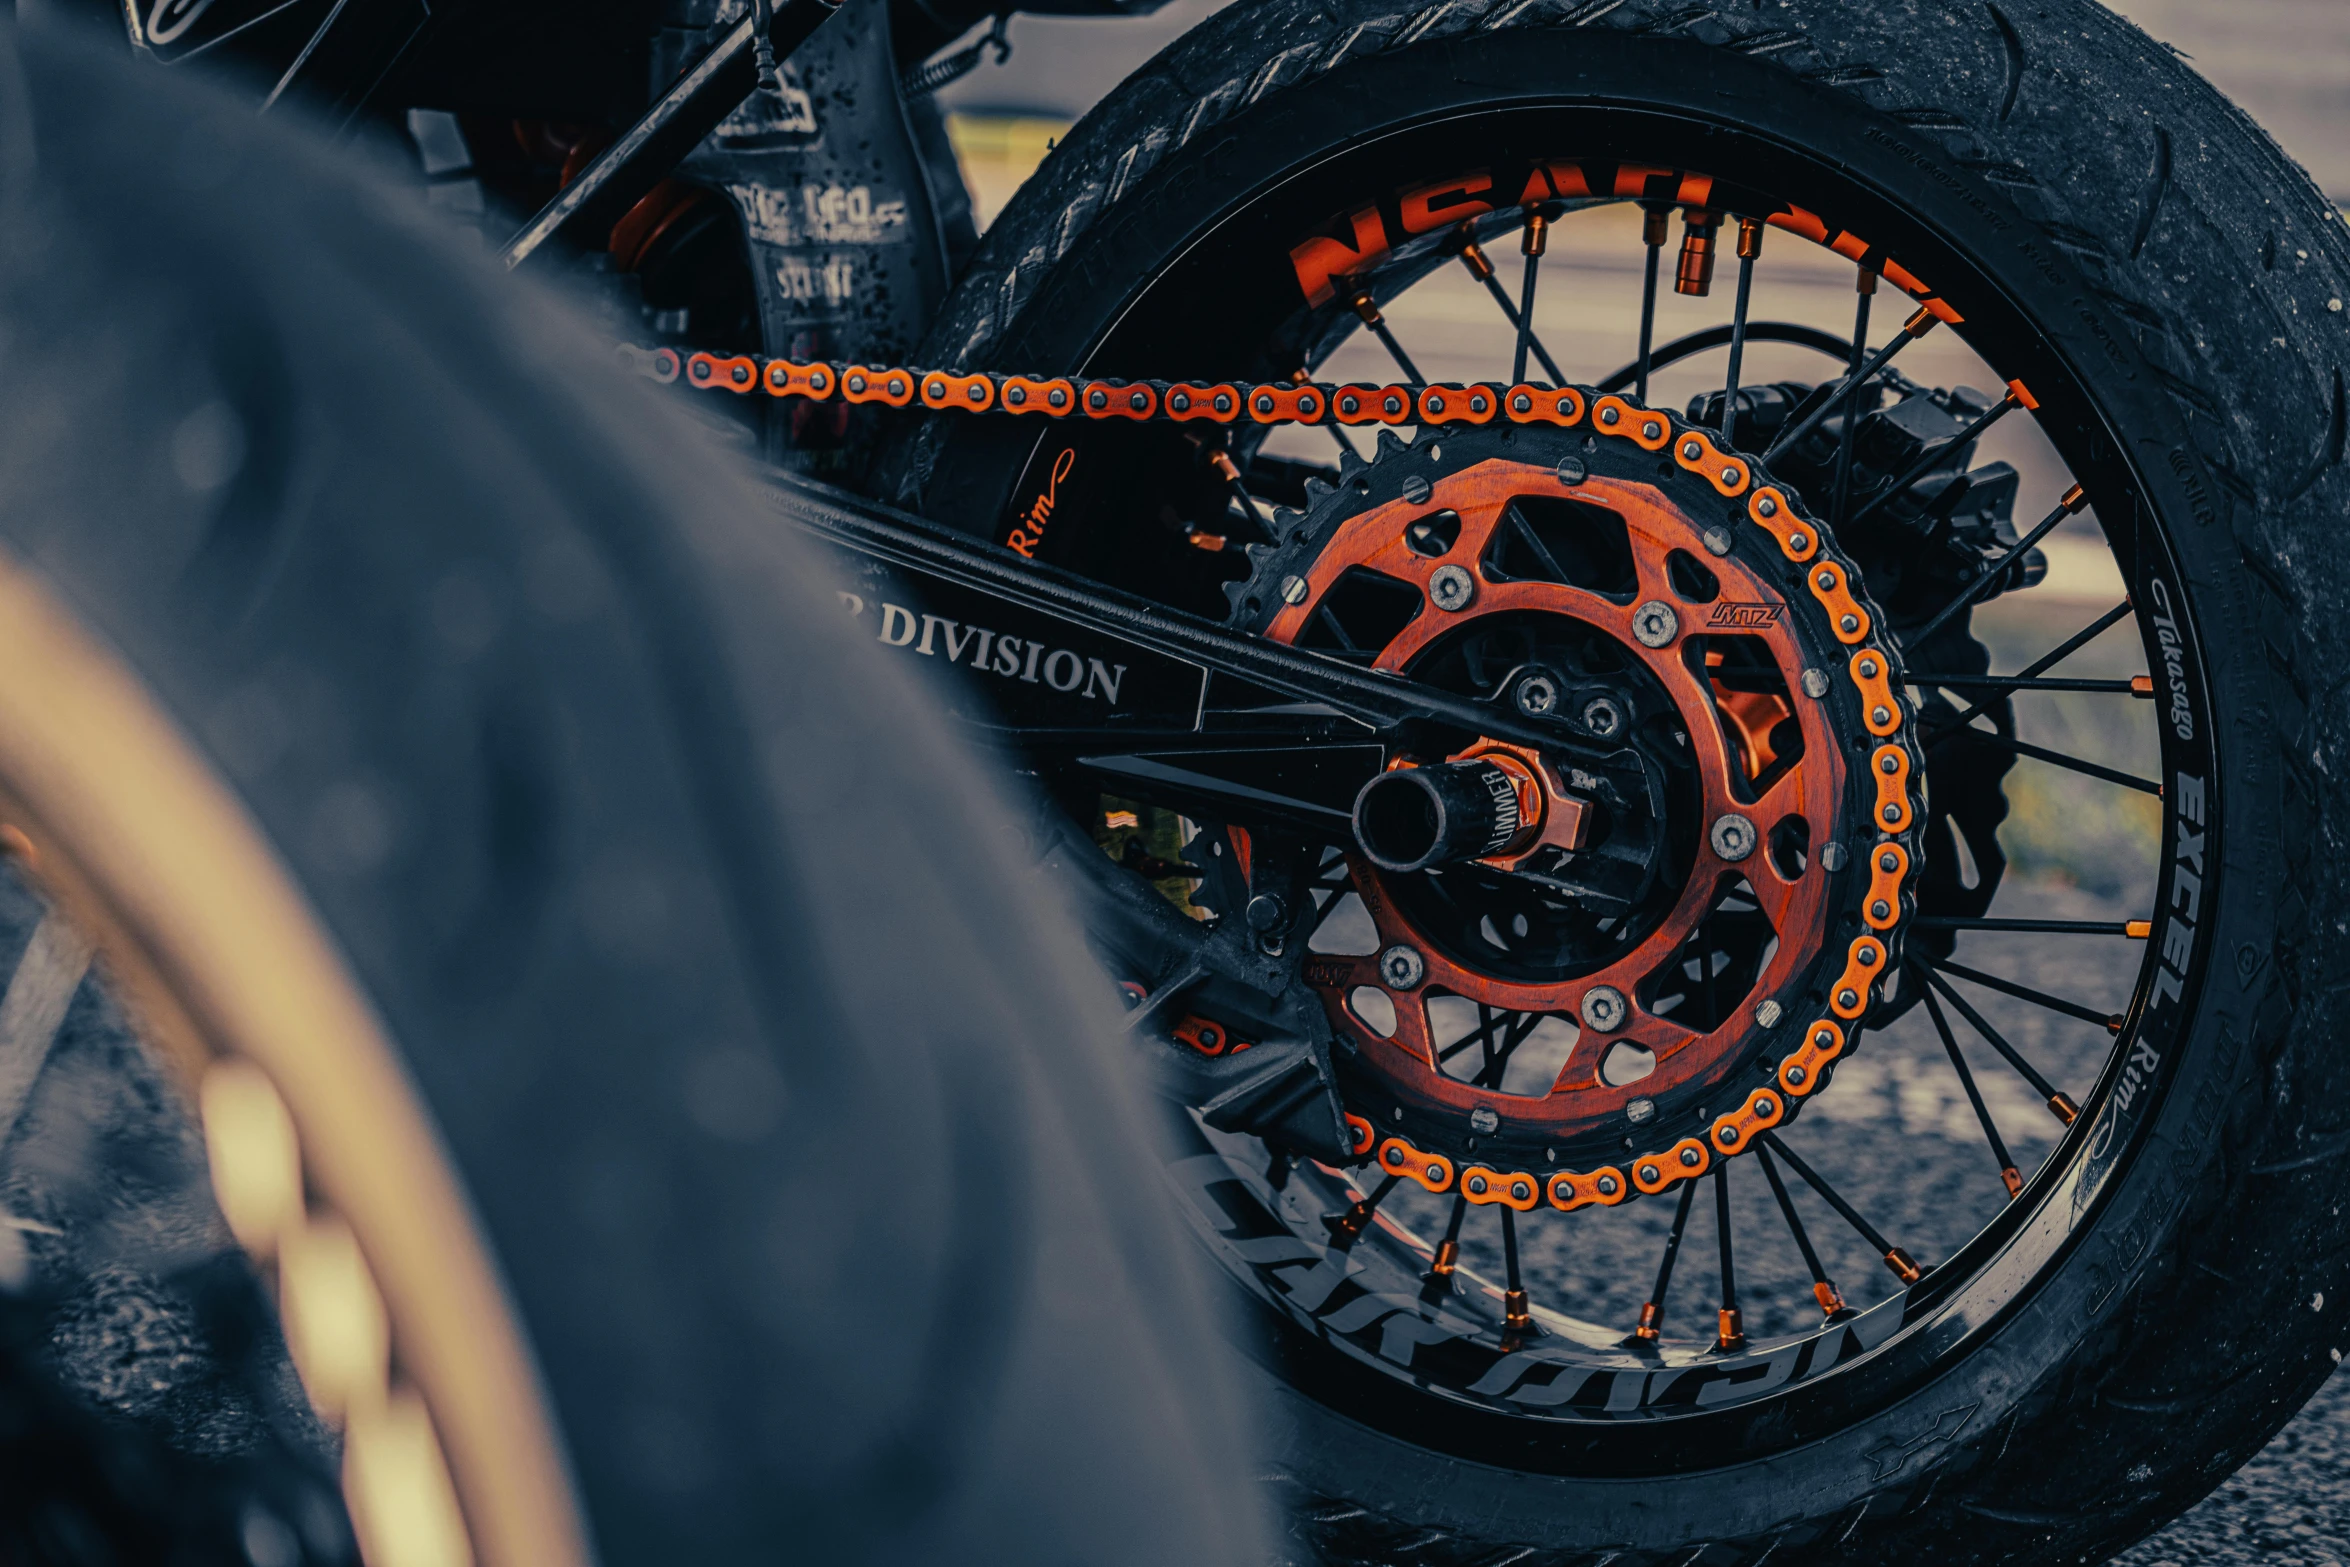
(1674, 947)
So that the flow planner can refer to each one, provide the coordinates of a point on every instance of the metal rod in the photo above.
(2074, 500)
(1934, 454)
(1537, 231)
(620, 176)
(1656, 221)
(1749, 249)
(1966, 1079)
(1895, 1258)
(2064, 650)
(2110, 1021)
(1823, 1288)
(1652, 1315)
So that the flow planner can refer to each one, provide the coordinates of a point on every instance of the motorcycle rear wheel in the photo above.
(2168, 285)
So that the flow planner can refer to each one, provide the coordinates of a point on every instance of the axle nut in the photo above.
(1402, 967)
(1654, 624)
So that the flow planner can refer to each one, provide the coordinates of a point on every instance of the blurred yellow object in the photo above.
(256, 1162)
(397, 1487)
(998, 152)
(334, 1321)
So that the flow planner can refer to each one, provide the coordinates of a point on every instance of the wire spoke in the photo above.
(2111, 1022)
(1698, 342)
(1497, 1059)
(1867, 287)
(1749, 249)
(1895, 1258)
(2074, 500)
(1655, 222)
(1934, 454)
(1436, 1283)
(1966, 1080)
(2039, 753)
(1481, 268)
(2136, 930)
(1516, 1316)
(1731, 1335)
(1537, 231)
(1917, 326)
(2045, 662)
(1652, 1315)
(1347, 1228)
(1368, 309)
(2059, 1104)
(1823, 1288)
(2137, 685)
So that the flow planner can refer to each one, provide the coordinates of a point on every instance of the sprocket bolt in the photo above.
(1402, 967)
(1451, 588)
(1815, 683)
(1294, 590)
(1603, 1008)
(1537, 695)
(1831, 856)
(1483, 1121)
(1733, 836)
(1717, 540)
(1416, 490)
(1267, 911)
(1654, 624)
(1571, 470)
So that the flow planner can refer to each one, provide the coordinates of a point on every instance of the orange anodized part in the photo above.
(1208, 1037)
(1845, 616)
(1188, 400)
(1055, 399)
(1372, 404)
(1831, 1298)
(1686, 1160)
(972, 393)
(737, 374)
(1604, 1187)
(1452, 404)
(1433, 1170)
(1550, 813)
(1888, 863)
(1529, 404)
(784, 378)
(1822, 1043)
(1294, 404)
(1871, 672)
(1889, 765)
(1513, 1189)
(1643, 427)
(1770, 511)
(1850, 996)
(1359, 1134)
(864, 384)
(1118, 400)
(1764, 1109)
(1696, 452)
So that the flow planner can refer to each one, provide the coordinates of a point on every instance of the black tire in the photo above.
(2184, 282)
(789, 1123)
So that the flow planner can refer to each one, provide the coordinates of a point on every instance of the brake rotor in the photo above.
(1712, 959)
